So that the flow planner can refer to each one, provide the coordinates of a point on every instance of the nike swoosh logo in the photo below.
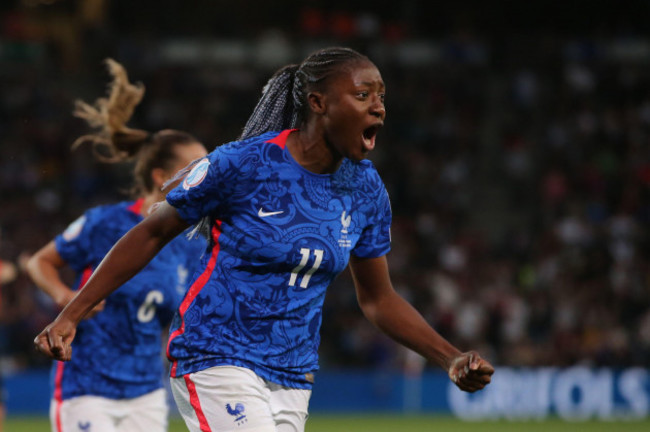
(261, 213)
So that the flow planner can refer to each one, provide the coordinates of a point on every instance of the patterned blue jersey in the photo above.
(280, 235)
(117, 353)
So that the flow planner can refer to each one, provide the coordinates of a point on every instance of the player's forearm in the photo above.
(403, 323)
(46, 276)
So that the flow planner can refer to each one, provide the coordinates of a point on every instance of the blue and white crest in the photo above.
(237, 412)
(198, 173)
(73, 230)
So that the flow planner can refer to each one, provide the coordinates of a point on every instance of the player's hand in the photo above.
(470, 372)
(55, 340)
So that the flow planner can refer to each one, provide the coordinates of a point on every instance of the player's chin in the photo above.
(359, 155)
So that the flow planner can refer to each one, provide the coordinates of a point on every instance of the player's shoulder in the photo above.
(115, 208)
(92, 218)
(247, 144)
(238, 151)
(112, 213)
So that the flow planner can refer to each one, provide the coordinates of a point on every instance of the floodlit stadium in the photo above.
(515, 152)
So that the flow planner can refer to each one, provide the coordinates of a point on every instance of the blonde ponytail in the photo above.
(109, 115)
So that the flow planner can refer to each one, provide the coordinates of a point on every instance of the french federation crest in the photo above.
(237, 412)
(345, 224)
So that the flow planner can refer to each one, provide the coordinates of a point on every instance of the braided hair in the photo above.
(283, 104)
(114, 142)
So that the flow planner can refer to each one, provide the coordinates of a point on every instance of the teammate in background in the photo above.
(286, 210)
(114, 382)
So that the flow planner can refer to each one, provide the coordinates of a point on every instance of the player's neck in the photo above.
(312, 152)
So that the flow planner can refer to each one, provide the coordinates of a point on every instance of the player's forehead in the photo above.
(358, 73)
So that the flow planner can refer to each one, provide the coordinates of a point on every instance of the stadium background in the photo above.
(516, 153)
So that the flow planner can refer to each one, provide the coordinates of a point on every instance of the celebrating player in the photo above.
(114, 381)
(287, 207)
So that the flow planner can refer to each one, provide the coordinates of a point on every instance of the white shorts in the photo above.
(147, 413)
(230, 398)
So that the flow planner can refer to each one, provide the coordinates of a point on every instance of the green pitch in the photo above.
(382, 423)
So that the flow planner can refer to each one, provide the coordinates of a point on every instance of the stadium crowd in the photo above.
(519, 178)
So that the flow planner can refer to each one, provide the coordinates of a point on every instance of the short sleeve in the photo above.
(75, 244)
(207, 186)
(375, 238)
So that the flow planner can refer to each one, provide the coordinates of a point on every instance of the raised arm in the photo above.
(43, 267)
(398, 319)
(127, 257)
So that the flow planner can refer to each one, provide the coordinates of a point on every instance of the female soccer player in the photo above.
(114, 382)
(286, 209)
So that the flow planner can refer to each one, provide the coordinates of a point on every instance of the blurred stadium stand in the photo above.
(516, 152)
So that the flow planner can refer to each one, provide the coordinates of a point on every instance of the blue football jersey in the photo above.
(117, 353)
(280, 234)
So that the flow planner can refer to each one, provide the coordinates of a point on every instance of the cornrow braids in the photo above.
(274, 110)
(283, 104)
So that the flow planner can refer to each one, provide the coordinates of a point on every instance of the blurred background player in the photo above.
(115, 381)
(286, 210)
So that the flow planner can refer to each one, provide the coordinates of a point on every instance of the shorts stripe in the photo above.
(58, 394)
(196, 404)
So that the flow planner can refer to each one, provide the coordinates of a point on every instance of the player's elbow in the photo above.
(34, 264)
(371, 306)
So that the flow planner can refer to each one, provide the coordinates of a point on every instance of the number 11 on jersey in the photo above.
(306, 253)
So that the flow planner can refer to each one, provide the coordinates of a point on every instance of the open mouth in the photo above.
(369, 135)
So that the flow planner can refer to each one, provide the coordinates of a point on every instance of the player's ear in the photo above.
(317, 102)
(159, 177)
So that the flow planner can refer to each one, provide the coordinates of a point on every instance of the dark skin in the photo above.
(342, 123)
